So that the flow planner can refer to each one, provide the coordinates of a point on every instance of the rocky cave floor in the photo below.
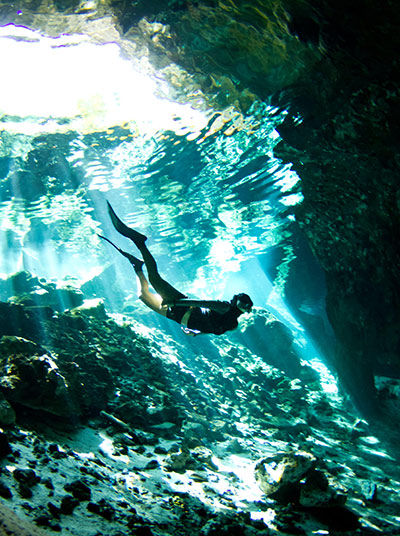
(113, 428)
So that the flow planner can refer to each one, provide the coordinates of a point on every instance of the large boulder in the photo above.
(294, 478)
(279, 475)
(30, 377)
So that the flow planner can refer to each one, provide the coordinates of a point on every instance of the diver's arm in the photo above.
(214, 305)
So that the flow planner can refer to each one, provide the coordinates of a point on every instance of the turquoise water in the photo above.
(202, 183)
(196, 171)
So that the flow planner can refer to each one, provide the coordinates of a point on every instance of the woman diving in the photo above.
(195, 316)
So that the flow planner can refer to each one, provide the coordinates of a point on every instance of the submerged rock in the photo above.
(30, 377)
(103, 509)
(7, 413)
(25, 289)
(279, 476)
(316, 492)
(181, 461)
(264, 335)
(186, 459)
(18, 284)
(79, 489)
(5, 447)
(293, 479)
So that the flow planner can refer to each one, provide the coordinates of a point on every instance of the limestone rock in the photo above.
(316, 492)
(102, 508)
(5, 448)
(25, 289)
(30, 377)
(26, 476)
(19, 283)
(187, 459)
(279, 475)
(27, 322)
(5, 491)
(180, 462)
(293, 478)
(79, 489)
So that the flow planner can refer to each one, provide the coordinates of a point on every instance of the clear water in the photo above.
(80, 125)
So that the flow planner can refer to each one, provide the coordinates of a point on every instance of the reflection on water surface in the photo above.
(90, 126)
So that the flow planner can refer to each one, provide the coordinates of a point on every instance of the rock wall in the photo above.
(344, 150)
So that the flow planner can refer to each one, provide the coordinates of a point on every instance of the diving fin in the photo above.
(136, 263)
(136, 237)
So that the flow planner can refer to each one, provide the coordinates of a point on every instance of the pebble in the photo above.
(5, 448)
(79, 489)
(103, 509)
(68, 504)
(5, 491)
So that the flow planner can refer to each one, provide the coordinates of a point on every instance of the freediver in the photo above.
(195, 316)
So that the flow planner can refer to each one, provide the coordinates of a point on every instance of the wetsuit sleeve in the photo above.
(219, 306)
(214, 305)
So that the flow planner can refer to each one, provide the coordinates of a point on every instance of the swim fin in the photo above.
(136, 263)
(136, 237)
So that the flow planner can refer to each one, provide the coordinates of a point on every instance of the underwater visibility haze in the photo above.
(254, 144)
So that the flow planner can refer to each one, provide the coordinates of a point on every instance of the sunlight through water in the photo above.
(71, 83)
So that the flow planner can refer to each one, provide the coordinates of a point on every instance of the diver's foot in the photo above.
(136, 263)
(137, 238)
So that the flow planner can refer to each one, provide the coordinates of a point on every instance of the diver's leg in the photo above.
(168, 293)
(153, 301)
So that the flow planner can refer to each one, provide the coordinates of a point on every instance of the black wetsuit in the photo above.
(206, 320)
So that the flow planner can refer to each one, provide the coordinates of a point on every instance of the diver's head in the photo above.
(242, 302)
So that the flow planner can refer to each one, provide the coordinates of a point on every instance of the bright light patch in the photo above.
(90, 85)
(276, 303)
(371, 440)
(292, 200)
(328, 381)
(222, 254)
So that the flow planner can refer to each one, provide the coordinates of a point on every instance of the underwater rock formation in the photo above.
(158, 438)
(294, 478)
(163, 422)
(30, 377)
(283, 471)
(23, 288)
(343, 151)
(270, 339)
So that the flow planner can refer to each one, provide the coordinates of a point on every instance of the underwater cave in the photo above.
(252, 147)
